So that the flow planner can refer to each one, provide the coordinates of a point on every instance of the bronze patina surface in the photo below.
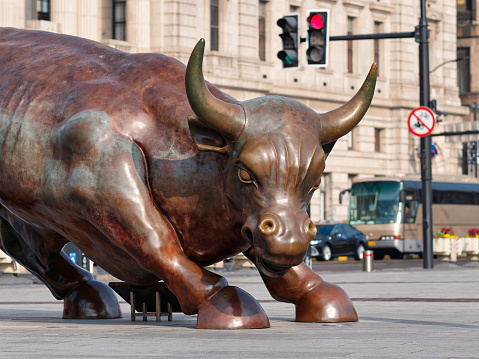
(153, 179)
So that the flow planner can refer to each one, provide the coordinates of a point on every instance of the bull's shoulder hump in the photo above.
(82, 132)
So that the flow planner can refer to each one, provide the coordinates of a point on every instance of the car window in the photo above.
(324, 230)
(351, 231)
(336, 229)
(345, 230)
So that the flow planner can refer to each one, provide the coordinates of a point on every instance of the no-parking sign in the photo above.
(421, 121)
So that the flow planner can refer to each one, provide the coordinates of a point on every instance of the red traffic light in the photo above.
(315, 21)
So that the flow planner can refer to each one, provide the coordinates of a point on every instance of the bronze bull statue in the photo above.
(100, 148)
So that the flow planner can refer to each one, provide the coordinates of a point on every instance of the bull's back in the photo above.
(58, 72)
(46, 79)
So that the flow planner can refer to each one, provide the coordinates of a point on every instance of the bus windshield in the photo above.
(374, 203)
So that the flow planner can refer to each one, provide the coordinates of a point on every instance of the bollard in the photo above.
(368, 261)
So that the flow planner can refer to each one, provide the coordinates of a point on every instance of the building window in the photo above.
(465, 158)
(377, 30)
(119, 20)
(214, 25)
(43, 10)
(466, 10)
(319, 200)
(322, 198)
(351, 140)
(350, 44)
(377, 139)
(262, 30)
(464, 70)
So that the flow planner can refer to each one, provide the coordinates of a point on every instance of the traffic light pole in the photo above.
(387, 35)
(421, 34)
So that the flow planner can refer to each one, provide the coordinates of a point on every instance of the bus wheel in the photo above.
(359, 252)
(396, 256)
(326, 253)
(378, 256)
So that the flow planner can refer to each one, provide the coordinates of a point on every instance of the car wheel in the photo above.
(359, 252)
(326, 253)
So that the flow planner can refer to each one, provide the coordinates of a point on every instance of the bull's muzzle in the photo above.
(279, 244)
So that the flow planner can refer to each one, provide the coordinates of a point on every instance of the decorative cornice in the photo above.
(379, 7)
(330, 1)
(353, 3)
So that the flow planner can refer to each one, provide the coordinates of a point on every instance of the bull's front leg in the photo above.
(315, 300)
(153, 242)
(219, 306)
(114, 197)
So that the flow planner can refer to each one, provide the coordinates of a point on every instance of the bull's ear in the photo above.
(207, 139)
(327, 148)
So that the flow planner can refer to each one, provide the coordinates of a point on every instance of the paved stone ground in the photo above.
(403, 314)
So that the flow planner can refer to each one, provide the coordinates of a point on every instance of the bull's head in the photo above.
(277, 149)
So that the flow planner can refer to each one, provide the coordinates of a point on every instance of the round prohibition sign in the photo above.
(421, 121)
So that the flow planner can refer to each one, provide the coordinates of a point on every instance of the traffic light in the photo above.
(318, 38)
(290, 36)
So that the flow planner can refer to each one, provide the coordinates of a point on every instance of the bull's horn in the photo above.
(337, 123)
(224, 117)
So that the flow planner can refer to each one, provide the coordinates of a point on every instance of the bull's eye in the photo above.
(244, 176)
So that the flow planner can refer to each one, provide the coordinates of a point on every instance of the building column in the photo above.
(12, 13)
(89, 19)
(138, 24)
(64, 13)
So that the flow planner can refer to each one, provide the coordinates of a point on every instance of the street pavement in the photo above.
(414, 313)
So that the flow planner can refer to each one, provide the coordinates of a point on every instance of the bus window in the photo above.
(410, 208)
(374, 202)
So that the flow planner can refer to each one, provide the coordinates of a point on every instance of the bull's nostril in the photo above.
(268, 226)
(310, 227)
(247, 235)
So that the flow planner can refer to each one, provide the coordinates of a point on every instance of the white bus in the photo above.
(388, 210)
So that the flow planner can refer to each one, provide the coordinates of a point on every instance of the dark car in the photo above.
(333, 240)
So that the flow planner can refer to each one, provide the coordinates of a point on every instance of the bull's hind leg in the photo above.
(84, 298)
(315, 300)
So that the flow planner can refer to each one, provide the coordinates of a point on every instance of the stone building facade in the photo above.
(241, 59)
(468, 51)
(468, 74)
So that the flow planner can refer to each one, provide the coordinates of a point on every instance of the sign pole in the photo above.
(426, 173)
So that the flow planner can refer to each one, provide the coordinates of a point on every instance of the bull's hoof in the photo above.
(231, 308)
(326, 303)
(91, 300)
